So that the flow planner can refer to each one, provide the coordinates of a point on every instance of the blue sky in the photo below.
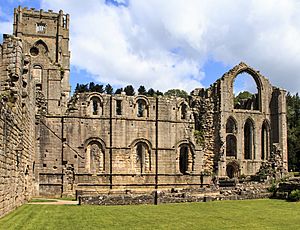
(162, 45)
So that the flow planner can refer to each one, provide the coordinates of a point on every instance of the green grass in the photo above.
(250, 214)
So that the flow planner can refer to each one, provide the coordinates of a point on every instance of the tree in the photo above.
(158, 93)
(151, 92)
(109, 89)
(242, 96)
(81, 88)
(176, 93)
(142, 90)
(98, 88)
(129, 90)
(293, 115)
(119, 91)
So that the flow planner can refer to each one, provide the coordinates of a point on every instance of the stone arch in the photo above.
(142, 158)
(39, 47)
(186, 157)
(95, 105)
(231, 145)
(249, 137)
(233, 169)
(183, 107)
(94, 155)
(265, 140)
(252, 102)
(231, 125)
(142, 106)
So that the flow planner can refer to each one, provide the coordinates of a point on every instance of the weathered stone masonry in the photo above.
(16, 126)
(92, 143)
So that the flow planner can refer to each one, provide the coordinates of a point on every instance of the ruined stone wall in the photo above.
(270, 114)
(66, 143)
(16, 127)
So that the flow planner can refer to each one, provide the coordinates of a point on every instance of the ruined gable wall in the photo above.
(268, 112)
(16, 127)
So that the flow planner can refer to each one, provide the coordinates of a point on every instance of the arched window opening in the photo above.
(231, 146)
(95, 161)
(96, 106)
(141, 108)
(143, 157)
(246, 92)
(37, 74)
(248, 140)
(41, 46)
(183, 111)
(231, 125)
(119, 107)
(232, 169)
(265, 141)
(185, 159)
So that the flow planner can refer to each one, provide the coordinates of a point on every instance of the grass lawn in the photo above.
(249, 214)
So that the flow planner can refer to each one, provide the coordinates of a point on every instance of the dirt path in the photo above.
(55, 202)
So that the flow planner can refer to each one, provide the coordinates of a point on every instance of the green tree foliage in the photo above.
(293, 118)
(109, 89)
(242, 96)
(151, 92)
(81, 88)
(142, 90)
(129, 90)
(158, 93)
(91, 87)
(119, 91)
(176, 93)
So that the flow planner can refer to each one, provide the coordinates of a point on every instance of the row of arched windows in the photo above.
(249, 139)
(142, 157)
(142, 107)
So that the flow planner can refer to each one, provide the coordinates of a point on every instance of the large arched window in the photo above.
(142, 108)
(231, 126)
(95, 158)
(265, 141)
(248, 140)
(231, 130)
(246, 92)
(186, 159)
(183, 111)
(143, 157)
(96, 106)
(231, 145)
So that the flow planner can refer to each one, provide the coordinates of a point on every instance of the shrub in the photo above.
(294, 195)
(273, 188)
(296, 174)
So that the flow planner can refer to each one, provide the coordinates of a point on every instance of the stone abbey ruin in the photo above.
(55, 145)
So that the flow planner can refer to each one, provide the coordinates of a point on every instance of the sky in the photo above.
(167, 44)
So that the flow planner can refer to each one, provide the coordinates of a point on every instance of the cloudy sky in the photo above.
(183, 44)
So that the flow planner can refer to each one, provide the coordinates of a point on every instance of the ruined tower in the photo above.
(45, 36)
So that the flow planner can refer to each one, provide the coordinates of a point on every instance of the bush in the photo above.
(294, 195)
(273, 188)
(296, 174)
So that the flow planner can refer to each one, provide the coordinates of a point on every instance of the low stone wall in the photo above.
(239, 192)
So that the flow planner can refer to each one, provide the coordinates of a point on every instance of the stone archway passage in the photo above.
(232, 170)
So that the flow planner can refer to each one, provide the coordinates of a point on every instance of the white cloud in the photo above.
(164, 44)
